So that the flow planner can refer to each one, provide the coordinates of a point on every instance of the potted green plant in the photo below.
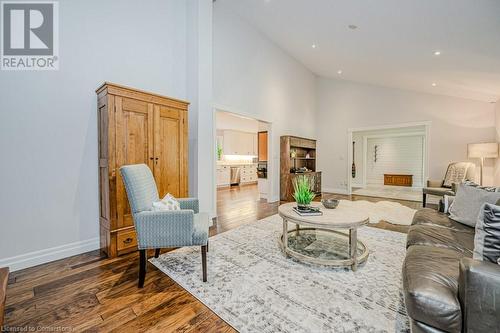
(303, 190)
(219, 152)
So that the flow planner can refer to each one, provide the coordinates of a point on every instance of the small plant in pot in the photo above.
(303, 193)
(219, 152)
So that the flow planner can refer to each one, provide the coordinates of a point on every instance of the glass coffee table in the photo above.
(329, 240)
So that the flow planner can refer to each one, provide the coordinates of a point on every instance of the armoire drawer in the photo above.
(126, 239)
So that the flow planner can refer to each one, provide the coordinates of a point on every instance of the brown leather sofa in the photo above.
(446, 290)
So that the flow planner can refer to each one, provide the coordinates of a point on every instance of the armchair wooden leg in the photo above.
(142, 267)
(424, 200)
(204, 262)
(157, 253)
(207, 246)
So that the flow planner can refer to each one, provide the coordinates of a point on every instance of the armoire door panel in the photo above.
(167, 169)
(134, 137)
(183, 154)
(104, 211)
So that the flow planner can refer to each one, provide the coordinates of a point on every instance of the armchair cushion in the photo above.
(140, 186)
(434, 183)
(439, 191)
(190, 203)
(164, 229)
(457, 172)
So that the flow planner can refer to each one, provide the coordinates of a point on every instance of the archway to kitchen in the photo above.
(243, 158)
(389, 161)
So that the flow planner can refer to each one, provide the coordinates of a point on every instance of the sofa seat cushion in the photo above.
(433, 217)
(430, 283)
(439, 236)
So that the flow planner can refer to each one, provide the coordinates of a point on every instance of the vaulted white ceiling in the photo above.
(393, 44)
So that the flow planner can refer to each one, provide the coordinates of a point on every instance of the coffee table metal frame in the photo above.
(352, 242)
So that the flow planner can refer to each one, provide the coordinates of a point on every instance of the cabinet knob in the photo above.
(128, 240)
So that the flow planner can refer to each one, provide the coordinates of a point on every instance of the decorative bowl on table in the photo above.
(330, 203)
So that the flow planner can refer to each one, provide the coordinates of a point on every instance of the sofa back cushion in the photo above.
(487, 237)
(468, 202)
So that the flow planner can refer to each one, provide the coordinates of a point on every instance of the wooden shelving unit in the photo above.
(296, 154)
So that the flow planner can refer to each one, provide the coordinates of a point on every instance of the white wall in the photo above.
(343, 105)
(199, 93)
(253, 77)
(48, 125)
(497, 128)
(227, 121)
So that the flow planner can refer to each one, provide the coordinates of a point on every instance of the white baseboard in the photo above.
(334, 190)
(47, 255)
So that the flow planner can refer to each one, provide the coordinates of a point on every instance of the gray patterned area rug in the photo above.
(254, 288)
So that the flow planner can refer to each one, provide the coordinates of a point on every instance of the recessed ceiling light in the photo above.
(314, 46)
(352, 26)
(339, 72)
(436, 53)
(434, 84)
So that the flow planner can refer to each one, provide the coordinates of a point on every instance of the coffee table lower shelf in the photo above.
(339, 248)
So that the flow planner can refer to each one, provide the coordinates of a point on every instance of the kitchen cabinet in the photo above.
(239, 143)
(248, 173)
(262, 146)
(223, 175)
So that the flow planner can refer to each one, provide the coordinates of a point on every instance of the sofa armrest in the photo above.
(479, 295)
(164, 229)
(190, 203)
(434, 183)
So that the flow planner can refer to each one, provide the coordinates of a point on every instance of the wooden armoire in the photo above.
(134, 127)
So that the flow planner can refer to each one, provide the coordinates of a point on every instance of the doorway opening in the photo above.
(243, 181)
(389, 161)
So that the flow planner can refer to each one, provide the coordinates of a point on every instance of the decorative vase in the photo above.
(302, 206)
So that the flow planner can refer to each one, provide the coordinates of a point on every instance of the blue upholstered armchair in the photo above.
(162, 229)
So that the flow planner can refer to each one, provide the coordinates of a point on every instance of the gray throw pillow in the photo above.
(468, 201)
(487, 237)
(486, 188)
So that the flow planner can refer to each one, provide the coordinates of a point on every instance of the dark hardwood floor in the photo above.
(89, 292)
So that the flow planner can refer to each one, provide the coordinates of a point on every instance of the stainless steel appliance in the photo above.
(262, 170)
(235, 176)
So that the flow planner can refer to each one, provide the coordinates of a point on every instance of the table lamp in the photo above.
(482, 151)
